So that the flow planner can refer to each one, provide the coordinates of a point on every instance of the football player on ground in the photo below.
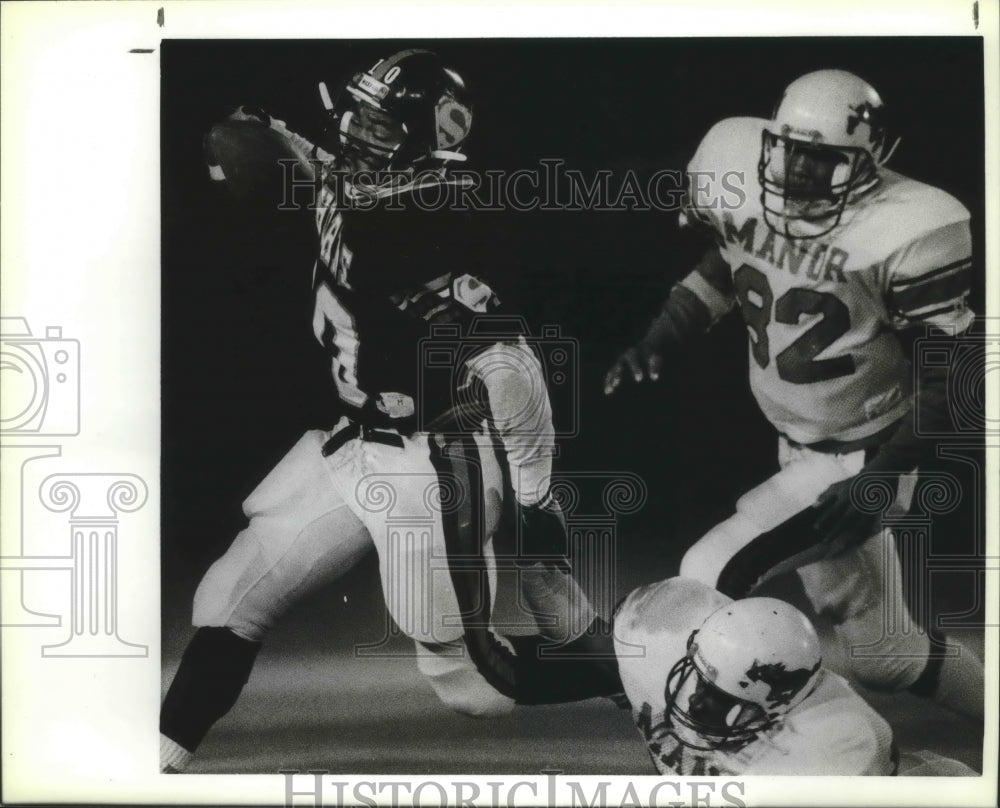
(834, 261)
(391, 265)
(722, 687)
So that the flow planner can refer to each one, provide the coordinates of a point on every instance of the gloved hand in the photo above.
(496, 664)
(543, 535)
(640, 362)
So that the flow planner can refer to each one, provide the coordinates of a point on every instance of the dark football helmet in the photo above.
(823, 147)
(406, 113)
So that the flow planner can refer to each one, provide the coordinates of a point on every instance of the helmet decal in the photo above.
(453, 122)
(784, 684)
(868, 113)
(372, 86)
(746, 666)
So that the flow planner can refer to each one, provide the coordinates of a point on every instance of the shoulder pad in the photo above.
(731, 144)
(902, 211)
(722, 175)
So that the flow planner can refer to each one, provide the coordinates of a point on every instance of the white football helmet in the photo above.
(751, 662)
(823, 147)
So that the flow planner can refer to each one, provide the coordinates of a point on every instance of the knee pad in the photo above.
(220, 592)
(888, 675)
(889, 665)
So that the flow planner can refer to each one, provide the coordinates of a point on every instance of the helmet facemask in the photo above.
(702, 716)
(369, 138)
(805, 187)
(406, 114)
(821, 152)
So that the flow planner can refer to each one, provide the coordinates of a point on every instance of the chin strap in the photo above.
(324, 95)
(441, 154)
(887, 155)
(384, 191)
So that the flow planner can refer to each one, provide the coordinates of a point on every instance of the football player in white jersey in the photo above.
(722, 687)
(832, 260)
(415, 461)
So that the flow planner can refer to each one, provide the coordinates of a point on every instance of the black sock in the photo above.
(213, 670)
(929, 679)
(956, 682)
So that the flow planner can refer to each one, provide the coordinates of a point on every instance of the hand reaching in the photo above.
(640, 362)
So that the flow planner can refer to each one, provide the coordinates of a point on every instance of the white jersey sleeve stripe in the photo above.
(928, 313)
(955, 266)
(953, 284)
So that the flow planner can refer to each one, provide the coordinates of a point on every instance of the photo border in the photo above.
(81, 252)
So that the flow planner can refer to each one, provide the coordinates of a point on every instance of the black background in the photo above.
(243, 376)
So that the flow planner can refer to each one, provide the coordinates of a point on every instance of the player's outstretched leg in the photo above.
(520, 414)
(215, 667)
(301, 536)
(861, 593)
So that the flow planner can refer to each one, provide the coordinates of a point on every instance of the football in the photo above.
(255, 162)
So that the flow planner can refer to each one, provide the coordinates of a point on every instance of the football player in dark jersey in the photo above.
(454, 450)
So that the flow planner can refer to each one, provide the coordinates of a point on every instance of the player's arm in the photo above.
(251, 152)
(304, 147)
(926, 287)
(541, 671)
(695, 303)
(533, 675)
